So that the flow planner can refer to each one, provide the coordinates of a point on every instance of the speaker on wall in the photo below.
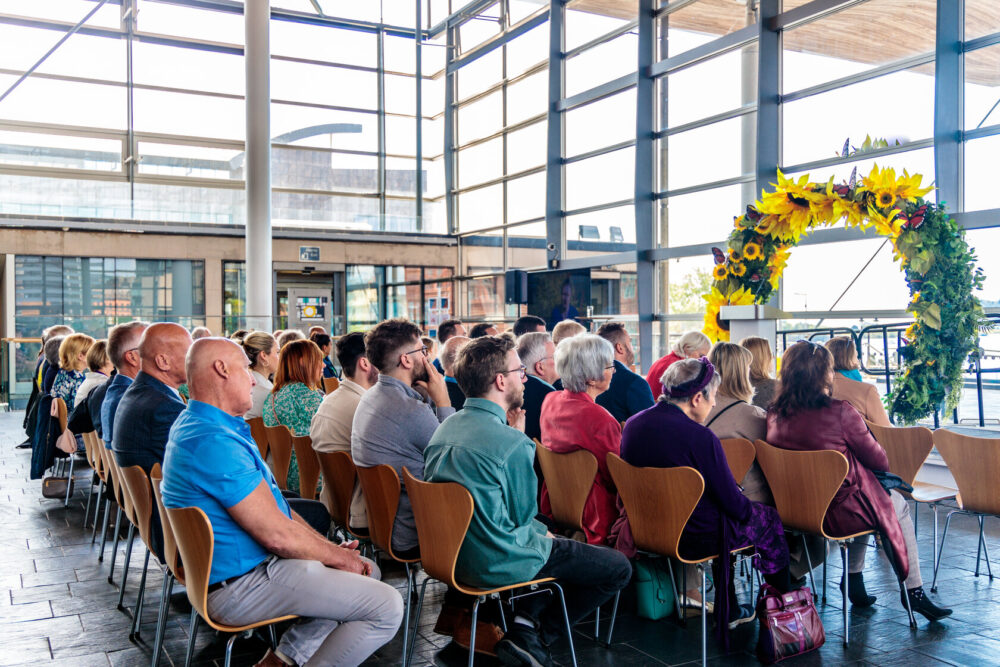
(516, 286)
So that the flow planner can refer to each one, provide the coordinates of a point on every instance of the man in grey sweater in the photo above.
(397, 417)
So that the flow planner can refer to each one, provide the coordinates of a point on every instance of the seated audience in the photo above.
(528, 324)
(52, 368)
(200, 332)
(296, 394)
(764, 385)
(262, 350)
(691, 345)
(505, 544)
(315, 329)
(566, 329)
(483, 329)
(43, 449)
(325, 345)
(394, 422)
(240, 334)
(733, 415)
(572, 420)
(99, 369)
(330, 429)
(449, 352)
(804, 416)
(266, 557)
(629, 393)
(41, 366)
(670, 435)
(446, 330)
(72, 363)
(287, 336)
(538, 354)
(848, 384)
(123, 349)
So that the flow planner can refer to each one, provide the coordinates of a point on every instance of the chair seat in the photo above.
(841, 538)
(708, 558)
(251, 626)
(501, 589)
(931, 493)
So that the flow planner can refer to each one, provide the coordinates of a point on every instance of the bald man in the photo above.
(267, 560)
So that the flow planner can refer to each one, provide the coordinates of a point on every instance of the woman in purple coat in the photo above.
(670, 434)
(804, 416)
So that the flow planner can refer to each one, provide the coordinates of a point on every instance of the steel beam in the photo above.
(645, 181)
(949, 87)
(555, 186)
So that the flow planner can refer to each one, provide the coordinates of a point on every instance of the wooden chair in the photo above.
(102, 480)
(136, 484)
(659, 502)
(380, 486)
(340, 473)
(196, 543)
(308, 465)
(330, 385)
(803, 485)
(173, 570)
(89, 449)
(443, 511)
(63, 420)
(279, 440)
(907, 449)
(127, 509)
(975, 464)
(740, 455)
(259, 434)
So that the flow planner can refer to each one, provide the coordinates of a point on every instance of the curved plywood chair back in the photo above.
(136, 483)
(380, 486)
(89, 451)
(340, 475)
(803, 483)
(279, 439)
(259, 434)
(569, 479)
(196, 545)
(658, 501)
(442, 511)
(122, 497)
(62, 412)
(906, 446)
(170, 554)
(740, 455)
(308, 465)
(330, 385)
(975, 465)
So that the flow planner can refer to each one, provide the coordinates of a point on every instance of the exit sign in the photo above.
(308, 253)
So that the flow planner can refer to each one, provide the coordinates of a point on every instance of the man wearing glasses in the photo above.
(396, 418)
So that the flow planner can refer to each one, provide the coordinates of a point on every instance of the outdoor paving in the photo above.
(57, 607)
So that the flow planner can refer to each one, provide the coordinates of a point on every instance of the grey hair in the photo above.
(683, 371)
(692, 341)
(56, 330)
(449, 352)
(531, 348)
(581, 359)
(51, 349)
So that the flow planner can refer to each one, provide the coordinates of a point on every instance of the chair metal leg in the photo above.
(161, 620)
(597, 622)
(137, 613)
(472, 638)
(934, 556)
(847, 594)
(97, 511)
(69, 479)
(416, 620)
(986, 548)
(944, 538)
(90, 497)
(614, 615)
(273, 636)
(407, 610)
(192, 635)
(979, 544)
(677, 598)
(114, 547)
(826, 553)
(569, 628)
(104, 526)
(704, 616)
(812, 580)
(128, 559)
(916, 534)
(906, 599)
(229, 649)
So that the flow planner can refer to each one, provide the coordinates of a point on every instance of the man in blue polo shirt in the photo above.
(267, 560)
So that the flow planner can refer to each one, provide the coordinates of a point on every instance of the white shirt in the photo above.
(260, 392)
(91, 381)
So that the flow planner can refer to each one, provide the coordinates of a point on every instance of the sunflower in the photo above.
(889, 224)
(738, 269)
(720, 272)
(790, 207)
(752, 251)
(884, 198)
(908, 187)
(715, 328)
(734, 255)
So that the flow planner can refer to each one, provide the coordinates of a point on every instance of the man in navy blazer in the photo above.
(629, 393)
(537, 353)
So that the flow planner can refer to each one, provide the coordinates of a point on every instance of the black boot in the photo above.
(921, 604)
(858, 595)
(781, 580)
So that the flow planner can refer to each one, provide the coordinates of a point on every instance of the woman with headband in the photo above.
(670, 434)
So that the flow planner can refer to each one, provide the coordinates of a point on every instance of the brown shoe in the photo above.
(449, 618)
(271, 660)
(487, 635)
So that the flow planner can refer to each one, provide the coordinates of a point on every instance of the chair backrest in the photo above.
(279, 439)
(89, 451)
(906, 446)
(308, 465)
(136, 483)
(122, 496)
(170, 555)
(442, 511)
(803, 483)
(340, 475)
(196, 544)
(739, 455)
(330, 385)
(569, 479)
(63, 413)
(259, 434)
(380, 486)
(975, 465)
(658, 501)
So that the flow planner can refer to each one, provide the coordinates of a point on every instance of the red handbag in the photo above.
(789, 624)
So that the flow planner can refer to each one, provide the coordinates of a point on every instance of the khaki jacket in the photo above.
(863, 396)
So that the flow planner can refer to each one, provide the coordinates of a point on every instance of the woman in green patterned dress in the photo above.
(296, 394)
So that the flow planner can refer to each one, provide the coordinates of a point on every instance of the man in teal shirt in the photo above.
(505, 544)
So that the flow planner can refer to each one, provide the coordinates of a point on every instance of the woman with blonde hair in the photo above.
(848, 384)
(72, 362)
(691, 345)
(760, 370)
(262, 350)
(99, 370)
(296, 394)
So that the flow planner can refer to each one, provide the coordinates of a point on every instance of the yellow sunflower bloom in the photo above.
(738, 269)
(908, 187)
(889, 224)
(752, 251)
(885, 198)
(720, 272)
(734, 255)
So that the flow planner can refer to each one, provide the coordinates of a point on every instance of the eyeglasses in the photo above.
(812, 345)
(422, 349)
(520, 370)
(611, 367)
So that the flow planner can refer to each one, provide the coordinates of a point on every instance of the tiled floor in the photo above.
(58, 608)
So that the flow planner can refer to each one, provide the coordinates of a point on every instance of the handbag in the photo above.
(789, 624)
(55, 487)
(654, 590)
(890, 481)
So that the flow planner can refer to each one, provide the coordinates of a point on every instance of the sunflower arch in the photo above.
(937, 262)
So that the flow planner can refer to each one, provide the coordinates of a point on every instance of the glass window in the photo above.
(612, 225)
(322, 170)
(982, 87)
(400, 54)
(528, 50)
(81, 55)
(483, 253)
(480, 208)
(323, 84)
(485, 298)
(400, 94)
(480, 74)
(584, 24)
(192, 161)
(602, 179)
(734, 85)
(364, 296)
(701, 22)
(983, 241)
(527, 97)
(44, 101)
(400, 175)
(60, 151)
(192, 115)
(169, 19)
(65, 10)
(480, 118)
(602, 63)
(41, 195)
(192, 69)
(981, 190)
(480, 163)
(324, 211)
(323, 128)
(688, 163)
(700, 217)
(526, 198)
(915, 162)
(526, 246)
(600, 124)
(526, 148)
(479, 28)
(234, 296)
(687, 280)
(301, 40)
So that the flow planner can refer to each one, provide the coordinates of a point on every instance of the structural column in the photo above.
(949, 81)
(645, 182)
(260, 288)
(555, 233)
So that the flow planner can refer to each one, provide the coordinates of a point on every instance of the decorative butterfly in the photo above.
(917, 219)
(755, 278)
(753, 214)
(842, 190)
(720, 258)
(853, 180)
(847, 147)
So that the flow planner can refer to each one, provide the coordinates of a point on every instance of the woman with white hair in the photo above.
(670, 434)
(691, 345)
(571, 420)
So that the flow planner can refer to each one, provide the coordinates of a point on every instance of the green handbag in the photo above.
(654, 591)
